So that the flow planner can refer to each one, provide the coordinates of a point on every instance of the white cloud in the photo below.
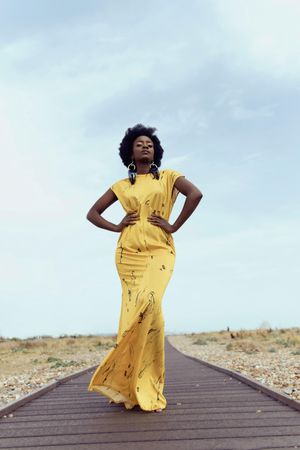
(203, 75)
(262, 35)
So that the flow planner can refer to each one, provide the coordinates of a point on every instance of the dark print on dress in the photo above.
(133, 371)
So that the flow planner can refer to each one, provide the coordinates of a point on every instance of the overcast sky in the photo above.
(220, 80)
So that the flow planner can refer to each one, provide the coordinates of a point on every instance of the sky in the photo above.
(220, 81)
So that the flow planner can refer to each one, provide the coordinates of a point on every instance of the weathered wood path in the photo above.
(208, 408)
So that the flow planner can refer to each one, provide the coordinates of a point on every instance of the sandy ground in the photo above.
(27, 365)
(270, 356)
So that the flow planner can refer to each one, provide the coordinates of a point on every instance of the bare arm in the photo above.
(193, 197)
(94, 213)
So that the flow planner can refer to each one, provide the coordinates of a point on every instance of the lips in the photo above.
(145, 151)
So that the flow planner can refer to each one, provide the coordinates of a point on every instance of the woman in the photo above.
(133, 372)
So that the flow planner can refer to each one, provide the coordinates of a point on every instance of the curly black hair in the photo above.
(125, 148)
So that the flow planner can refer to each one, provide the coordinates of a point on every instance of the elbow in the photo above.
(199, 198)
(197, 194)
(92, 213)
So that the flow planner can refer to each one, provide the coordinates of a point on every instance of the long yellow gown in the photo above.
(133, 372)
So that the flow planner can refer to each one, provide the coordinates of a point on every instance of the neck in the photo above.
(142, 169)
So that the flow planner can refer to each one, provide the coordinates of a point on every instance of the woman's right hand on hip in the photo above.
(129, 219)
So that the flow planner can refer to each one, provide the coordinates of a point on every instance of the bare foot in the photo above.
(157, 410)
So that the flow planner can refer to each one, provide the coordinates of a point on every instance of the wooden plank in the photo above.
(207, 409)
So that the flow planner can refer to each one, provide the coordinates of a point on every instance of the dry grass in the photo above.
(252, 341)
(271, 356)
(265, 353)
(45, 351)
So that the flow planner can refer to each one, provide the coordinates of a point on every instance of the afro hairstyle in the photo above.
(125, 148)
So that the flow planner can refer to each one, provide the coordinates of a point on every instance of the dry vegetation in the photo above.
(253, 341)
(29, 364)
(271, 356)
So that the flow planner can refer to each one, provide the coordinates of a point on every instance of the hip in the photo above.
(147, 239)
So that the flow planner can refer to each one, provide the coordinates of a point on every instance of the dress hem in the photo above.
(109, 392)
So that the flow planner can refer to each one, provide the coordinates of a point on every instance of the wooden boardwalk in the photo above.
(208, 408)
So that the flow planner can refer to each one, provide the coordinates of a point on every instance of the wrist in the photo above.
(115, 228)
(174, 228)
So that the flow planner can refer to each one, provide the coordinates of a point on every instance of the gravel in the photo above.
(279, 370)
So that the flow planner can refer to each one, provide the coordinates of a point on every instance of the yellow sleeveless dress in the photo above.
(133, 372)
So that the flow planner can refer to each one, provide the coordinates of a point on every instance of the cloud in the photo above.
(262, 35)
(226, 108)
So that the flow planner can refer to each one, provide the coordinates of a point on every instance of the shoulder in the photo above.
(170, 170)
(119, 186)
(166, 172)
(172, 173)
(122, 181)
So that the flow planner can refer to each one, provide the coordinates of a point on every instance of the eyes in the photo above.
(149, 144)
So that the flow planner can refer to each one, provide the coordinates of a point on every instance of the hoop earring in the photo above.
(131, 172)
(154, 170)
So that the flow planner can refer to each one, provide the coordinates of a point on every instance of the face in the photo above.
(143, 149)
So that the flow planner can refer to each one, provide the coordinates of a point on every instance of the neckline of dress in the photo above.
(148, 173)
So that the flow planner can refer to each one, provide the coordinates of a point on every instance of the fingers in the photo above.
(134, 216)
(131, 218)
(155, 218)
